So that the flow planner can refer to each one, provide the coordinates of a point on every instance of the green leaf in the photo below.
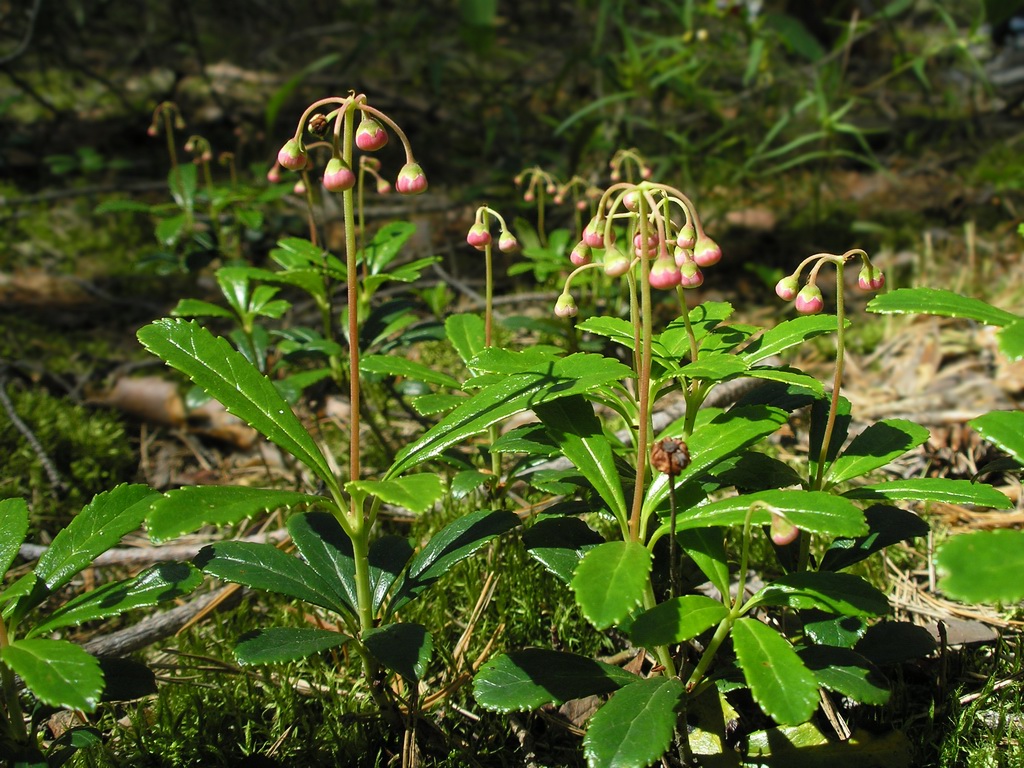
(228, 377)
(279, 645)
(559, 543)
(157, 584)
(876, 446)
(1011, 340)
(452, 544)
(805, 746)
(182, 181)
(812, 511)
(13, 529)
(198, 308)
(58, 672)
(676, 620)
(795, 36)
(262, 566)
(886, 526)
(983, 566)
(714, 368)
(788, 376)
(168, 231)
(936, 301)
(846, 672)
(392, 365)
(894, 642)
(616, 329)
(610, 580)
(386, 245)
(526, 680)
(466, 334)
(417, 493)
(635, 728)
(843, 593)
(126, 679)
(579, 434)
(1004, 429)
(703, 319)
(819, 418)
(787, 334)
(780, 683)
(97, 528)
(706, 547)
(388, 556)
(575, 374)
(828, 629)
(402, 648)
(328, 550)
(941, 489)
(189, 508)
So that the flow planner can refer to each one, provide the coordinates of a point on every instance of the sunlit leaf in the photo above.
(58, 672)
(279, 645)
(779, 681)
(635, 727)
(876, 446)
(610, 580)
(983, 566)
(676, 620)
(402, 648)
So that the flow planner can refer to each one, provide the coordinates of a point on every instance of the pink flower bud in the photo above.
(652, 244)
(809, 300)
(870, 278)
(292, 156)
(370, 134)
(411, 180)
(153, 130)
(787, 288)
(299, 188)
(690, 275)
(581, 254)
(593, 233)
(631, 200)
(581, 205)
(565, 306)
(682, 256)
(478, 236)
(551, 189)
(528, 196)
(782, 531)
(337, 176)
(646, 172)
(615, 262)
(274, 174)
(664, 273)
(557, 199)
(706, 252)
(507, 242)
(687, 237)
(383, 187)
(615, 175)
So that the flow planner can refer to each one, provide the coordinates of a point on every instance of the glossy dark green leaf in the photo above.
(327, 549)
(819, 419)
(846, 672)
(402, 648)
(719, 367)
(676, 620)
(790, 376)
(755, 471)
(1004, 429)
(844, 593)
(875, 447)
(559, 543)
(452, 544)
(787, 334)
(780, 683)
(941, 489)
(1011, 340)
(157, 584)
(466, 334)
(198, 308)
(385, 246)
(417, 493)
(610, 580)
(635, 727)
(393, 365)
(616, 329)
(388, 556)
(466, 482)
(828, 629)
(703, 319)
(227, 376)
(182, 182)
(575, 428)
(189, 508)
(886, 526)
(936, 301)
(279, 645)
(526, 680)
(706, 547)
(58, 672)
(894, 642)
(262, 566)
(983, 566)
(13, 529)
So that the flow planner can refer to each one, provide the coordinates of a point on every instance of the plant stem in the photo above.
(838, 378)
(643, 380)
(11, 718)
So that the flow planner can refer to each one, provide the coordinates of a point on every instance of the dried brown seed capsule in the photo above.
(317, 125)
(670, 456)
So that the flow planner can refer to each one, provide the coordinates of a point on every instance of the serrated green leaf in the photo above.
(526, 680)
(13, 529)
(574, 427)
(466, 334)
(780, 683)
(610, 580)
(279, 645)
(714, 368)
(789, 376)
(876, 446)
(1004, 429)
(703, 319)
(844, 593)
(328, 550)
(828, 629)
(676, 620)
(940, 489)
(559, 543)
(58, 672)
(820, 409)
(983, 566)
(936, 301)
(168, 231)
(157, 584)
(805, 746)
(635, 727)
(198, 308)
(886, 526)
(1011, 340)
(392, 365)
(227, 376)
(182, 181)
(262, 566)
(189, 508)
(386, 244)
(452, 544)
(388, 556)
(417, 493)
(846, 672)
(402, 648)
(706, 547)
(466, 482)
(787, 334)
(438, 402)
(296, 253)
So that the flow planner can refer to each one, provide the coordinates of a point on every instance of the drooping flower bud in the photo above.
(809, 301)
(787, 288)
(292, 156)
(507, 242)
(274, 174)
(566, 306)
(682, 255)
(687, 237)
(706, 252)
(652, 244)
(615, 262)
(370, 134)
(870, 278)
(337, 176)
(631, 200)
(528, 196)
(411, 180)
(664, 273)
(690, 275)
(593, 233)
(299, 188)
(782, 531)
(479, 237)
(383, 187)
(581, 254)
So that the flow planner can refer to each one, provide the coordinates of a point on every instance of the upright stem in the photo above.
(352, 290)
(838, 378)
(13, 722)
(643, 380)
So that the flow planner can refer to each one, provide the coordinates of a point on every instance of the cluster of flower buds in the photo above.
(200, 149)
(625, 159)
(166, 115)
(479, 235)
(535, 179)
(370, 135)
(808, 299)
